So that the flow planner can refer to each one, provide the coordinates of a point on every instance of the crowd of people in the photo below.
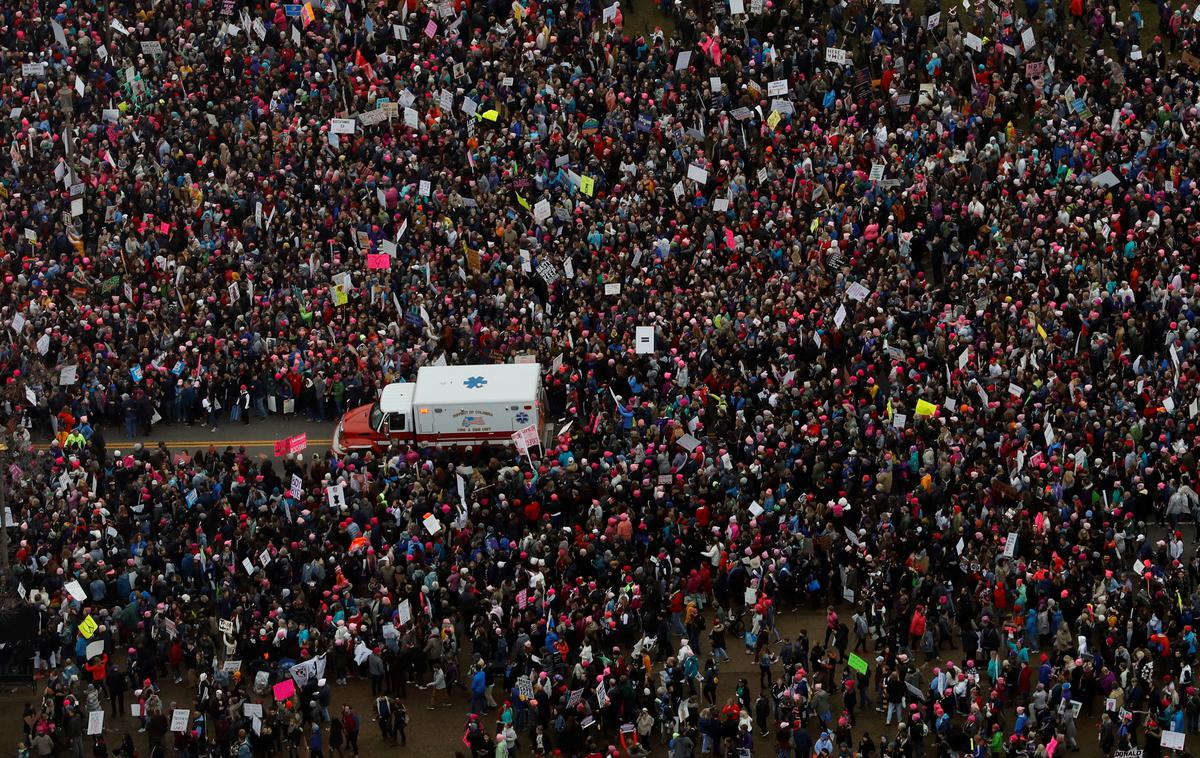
(923, 282)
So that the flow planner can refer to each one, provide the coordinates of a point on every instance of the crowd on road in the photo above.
(924, 291)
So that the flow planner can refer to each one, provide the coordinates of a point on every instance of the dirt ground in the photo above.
(438, 733)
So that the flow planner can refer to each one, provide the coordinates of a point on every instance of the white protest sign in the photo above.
(644, 343)
(835, 55)
(1173, 740)
(688, 442)
(857, 292)
(342, 126)
(697, 174)
(361, 653)
(179, 719)
(336, 494)
(1010, 545)
(95, 722)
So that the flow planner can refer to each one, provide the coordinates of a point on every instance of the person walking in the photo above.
(400, 723)
(337, 738)
(439, 692)
(383, 715)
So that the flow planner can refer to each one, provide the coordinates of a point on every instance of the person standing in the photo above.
(350, 725)
(116, 690)
(315, 742)
(241, 406)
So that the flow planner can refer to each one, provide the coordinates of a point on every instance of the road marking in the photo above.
(197, 443)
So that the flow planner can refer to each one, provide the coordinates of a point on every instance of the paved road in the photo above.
(257, 436)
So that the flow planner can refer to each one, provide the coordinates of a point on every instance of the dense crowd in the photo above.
(923, 283)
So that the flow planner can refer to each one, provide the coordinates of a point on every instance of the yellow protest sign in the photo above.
(522, 202)
(773, 119)
(491, 115)
(88, 627)
(341, 294)
(1041, 332)
(587, 185)
(925, 408)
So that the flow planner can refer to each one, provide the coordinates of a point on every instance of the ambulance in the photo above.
(448, 406)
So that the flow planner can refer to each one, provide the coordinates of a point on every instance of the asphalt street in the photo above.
(257, 436)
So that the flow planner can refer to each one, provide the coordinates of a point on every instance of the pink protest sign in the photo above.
(285, 689)
(379, 260)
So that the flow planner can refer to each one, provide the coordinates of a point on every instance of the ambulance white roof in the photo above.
(396, 397)
(479, 384)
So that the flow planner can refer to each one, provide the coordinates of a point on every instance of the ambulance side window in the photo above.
(396, 423)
